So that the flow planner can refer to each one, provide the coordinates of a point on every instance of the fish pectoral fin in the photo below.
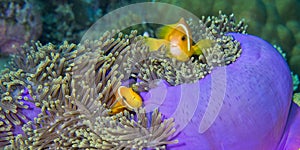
(202, 44)
(117, 109)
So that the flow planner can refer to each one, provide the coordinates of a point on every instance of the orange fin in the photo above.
(116, 110)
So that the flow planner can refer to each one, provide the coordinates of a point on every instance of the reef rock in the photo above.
(19, 23)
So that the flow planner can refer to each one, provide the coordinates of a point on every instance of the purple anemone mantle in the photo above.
(242, 106)
(30, 112)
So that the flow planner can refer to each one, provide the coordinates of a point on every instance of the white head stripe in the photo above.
(119, 91)
(187, 34)
(124, 100)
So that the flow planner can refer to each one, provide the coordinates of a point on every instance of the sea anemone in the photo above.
(69, 91)
(69, 112)
(251, 115)
(239, 105)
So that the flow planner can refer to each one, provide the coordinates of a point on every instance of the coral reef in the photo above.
(19, 23)
(66, 20)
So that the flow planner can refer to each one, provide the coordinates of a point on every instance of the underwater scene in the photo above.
(150, 74)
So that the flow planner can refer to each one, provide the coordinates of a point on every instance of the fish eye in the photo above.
(124, 98)
(183, 38)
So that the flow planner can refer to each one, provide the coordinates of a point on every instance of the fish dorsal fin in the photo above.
(164, 31)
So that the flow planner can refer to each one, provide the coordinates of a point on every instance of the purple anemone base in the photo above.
(30, 113)
(242, 106)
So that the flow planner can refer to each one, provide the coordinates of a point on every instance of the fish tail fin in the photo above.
(164, 31)
(202, 44)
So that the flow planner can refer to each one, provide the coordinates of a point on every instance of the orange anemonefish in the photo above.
(178, 40)
(125, 98)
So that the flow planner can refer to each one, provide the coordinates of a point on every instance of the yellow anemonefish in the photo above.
(178, 40)
(125, 98)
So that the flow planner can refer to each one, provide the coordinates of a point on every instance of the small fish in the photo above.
(178, 40)
(126, 98)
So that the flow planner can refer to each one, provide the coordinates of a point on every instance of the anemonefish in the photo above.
(125, 98)
(178, 40)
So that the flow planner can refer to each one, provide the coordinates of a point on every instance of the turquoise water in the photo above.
(3, 61)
